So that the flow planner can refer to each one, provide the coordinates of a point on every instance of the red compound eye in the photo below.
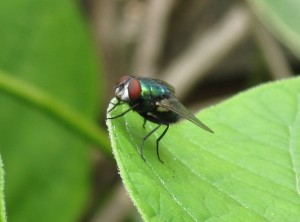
(122, 79)
(134, 89)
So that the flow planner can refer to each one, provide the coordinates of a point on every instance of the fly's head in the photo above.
(128, 89)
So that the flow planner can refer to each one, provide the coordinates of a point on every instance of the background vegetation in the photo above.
(59, 61)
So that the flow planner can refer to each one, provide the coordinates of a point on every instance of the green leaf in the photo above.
(282, 18)
(46, 43)
(67, 116)
(248, 170)
(2, 201)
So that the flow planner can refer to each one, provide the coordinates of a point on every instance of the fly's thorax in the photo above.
(150, 90)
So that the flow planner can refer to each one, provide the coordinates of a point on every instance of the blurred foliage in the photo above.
(47, 167)
(282, 18)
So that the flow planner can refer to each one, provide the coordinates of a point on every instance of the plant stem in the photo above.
(56, 109)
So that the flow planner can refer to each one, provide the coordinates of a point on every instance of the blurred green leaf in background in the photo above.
(282, 18)
(46, 43)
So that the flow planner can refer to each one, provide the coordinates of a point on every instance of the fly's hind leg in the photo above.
(157, 143)
(145, 138)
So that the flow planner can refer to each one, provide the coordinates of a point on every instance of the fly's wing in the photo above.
(174, 105)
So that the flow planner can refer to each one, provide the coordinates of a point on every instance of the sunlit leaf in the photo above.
(249, 170)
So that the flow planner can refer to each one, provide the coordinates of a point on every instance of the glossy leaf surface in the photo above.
(249, 170)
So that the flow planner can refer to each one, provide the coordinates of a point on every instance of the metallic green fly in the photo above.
(154, 100)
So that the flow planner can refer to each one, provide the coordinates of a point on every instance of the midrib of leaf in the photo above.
(294, 130)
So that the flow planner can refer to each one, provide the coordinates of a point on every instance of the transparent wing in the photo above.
(174, 105)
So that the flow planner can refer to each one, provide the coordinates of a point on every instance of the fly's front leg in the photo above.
(114, 105)
(122, 114)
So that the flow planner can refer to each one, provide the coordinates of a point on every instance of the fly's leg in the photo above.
(145, 138)
(115, 105)
(157, 143)
(123, 113)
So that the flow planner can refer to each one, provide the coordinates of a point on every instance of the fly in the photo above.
(155, 101)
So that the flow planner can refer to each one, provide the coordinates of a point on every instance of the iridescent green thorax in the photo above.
(150, 89)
